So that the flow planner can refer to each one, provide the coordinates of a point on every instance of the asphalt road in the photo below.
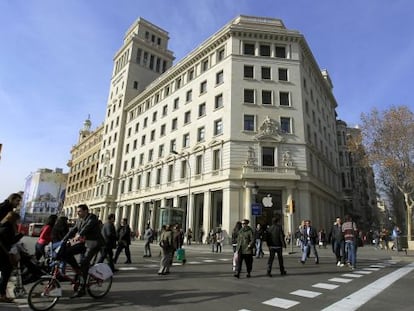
(382, 281)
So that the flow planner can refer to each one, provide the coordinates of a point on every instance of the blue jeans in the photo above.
(351, 252)
(307, 247)
(259, 250)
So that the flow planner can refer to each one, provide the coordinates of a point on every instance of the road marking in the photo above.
(194, 263)
(371, 269)
(306, 293)
(352, 275)
(209, 260)
(325, 286)
(127, 268)
(281, 303)
(357, 299)
(377, 266)
(363, 272)
(340, 280)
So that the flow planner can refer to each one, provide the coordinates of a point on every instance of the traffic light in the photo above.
(292, 206)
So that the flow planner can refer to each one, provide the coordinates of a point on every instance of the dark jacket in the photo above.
(124, 234)
(245, 241)
(8, 236)
(5, 208)
(88, 227)
(311, 237)
(275, 236)
(336, 233)
(109, 234)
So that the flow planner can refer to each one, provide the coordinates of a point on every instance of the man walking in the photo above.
(148, 238)
(349, 230)
(109, 235)
(309, 237)
(124, 240)
(338, 243)
(275, 240)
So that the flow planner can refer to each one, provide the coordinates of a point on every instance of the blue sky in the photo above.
(56, 61)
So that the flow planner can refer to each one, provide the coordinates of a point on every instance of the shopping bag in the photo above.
(181, 254)
(101, 271)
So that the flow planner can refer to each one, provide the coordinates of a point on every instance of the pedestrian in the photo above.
(45, 237)
(275, 240)
(167, 249)
(148, 238)
(189, 236)
(201, 235)
(59, 231)
(109, 234)
(10, 204)
(245, 245)
(178, 240)
(8, 236)
(219, 239)
(338, 242)
(124, 240)
(258, 236)
(309, 238)
(322, 238)
(234, 235)
(212, 240)
(350, 232)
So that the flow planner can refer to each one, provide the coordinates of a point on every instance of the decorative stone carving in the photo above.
(286, 159)
(269, 131)
(251, 157)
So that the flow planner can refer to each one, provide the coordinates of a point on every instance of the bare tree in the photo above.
(388, 137)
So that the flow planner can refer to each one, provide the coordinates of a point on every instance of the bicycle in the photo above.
(46, 292)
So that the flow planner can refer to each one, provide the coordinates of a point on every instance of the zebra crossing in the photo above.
(320, 288)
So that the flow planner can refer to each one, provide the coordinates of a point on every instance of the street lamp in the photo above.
(187, 224)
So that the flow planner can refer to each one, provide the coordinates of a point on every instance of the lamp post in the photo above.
(188, 221)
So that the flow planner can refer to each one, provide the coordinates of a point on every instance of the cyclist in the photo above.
(86, 240)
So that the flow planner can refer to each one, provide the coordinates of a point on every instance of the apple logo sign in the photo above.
(267, 201)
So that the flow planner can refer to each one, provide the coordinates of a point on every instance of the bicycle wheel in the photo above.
(44, 294)
(98, 288)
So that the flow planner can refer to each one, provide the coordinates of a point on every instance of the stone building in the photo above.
(238, 128)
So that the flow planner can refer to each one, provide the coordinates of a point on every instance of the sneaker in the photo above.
(283, 272)
(341, 265)
(338, 263)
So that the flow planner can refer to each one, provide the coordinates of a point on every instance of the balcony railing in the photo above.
(269, 172)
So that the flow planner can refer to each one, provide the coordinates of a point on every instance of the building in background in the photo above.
(43, 195)
(357, 180)
(83, 167)
(239, 128)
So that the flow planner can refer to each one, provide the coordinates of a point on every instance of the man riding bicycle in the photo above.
(86, 240)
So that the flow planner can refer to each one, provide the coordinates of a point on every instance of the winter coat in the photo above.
(245, 240)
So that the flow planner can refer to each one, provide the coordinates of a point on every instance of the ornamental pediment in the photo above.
(269, 130)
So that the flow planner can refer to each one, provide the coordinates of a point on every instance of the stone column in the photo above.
(207, 214)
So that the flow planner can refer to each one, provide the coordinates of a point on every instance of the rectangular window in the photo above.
(218, 127)
(141, 159)
(183, 169)
(187, 117)
(145, 122)
(173, 145)
(248, 72)
(139, 182)
(125, 165)
(162, 131)
(220, 55)
(202, 109)
(164, 110)
(154, 116)
(170, 174)
(266, 97)
(176, 103)
(160, 151)
(150, 155)
(152, 137)
(199, 165)
(186, 140)
(204, 65)
(201, 134)
(281, 51)
(249, 96)
(143, 140)
(248, 49)
(284, 99)
(190, 75)
(139, 53)
(216, 159)
(203, 87)
(218, 102)
(189, 96)
(283, 74)
(148, 179)
(268, 156)
(127, 148)
(219, 77)
(133, 163)
(248, 122)
(158, 177)
(135, 144)
(177, 83)
(266, 73)
(135, 85)
(264, 50)
(285, 125)
(174, 123)
(151, 65)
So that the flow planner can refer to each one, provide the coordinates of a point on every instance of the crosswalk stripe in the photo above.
(371, 269)
(363, 272)
(352, 275)
(281, 303)
(306, 293)
(340, 280)
(377, 266)
(325, 286)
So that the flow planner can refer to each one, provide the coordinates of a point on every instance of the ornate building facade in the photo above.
(238, 128)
